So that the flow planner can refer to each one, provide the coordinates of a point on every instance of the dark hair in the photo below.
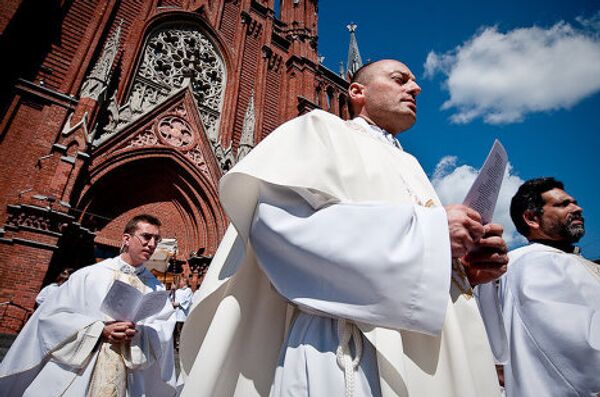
(360, 76)
(64, 275)
(131, 226)
(529, 198)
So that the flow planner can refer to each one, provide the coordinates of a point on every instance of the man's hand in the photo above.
(464, 226)
(118, 332)
(488, 260)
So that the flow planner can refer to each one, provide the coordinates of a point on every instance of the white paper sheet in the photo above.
(483, 195)
(125, 303)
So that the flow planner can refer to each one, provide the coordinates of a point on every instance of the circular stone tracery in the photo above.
(175, 131)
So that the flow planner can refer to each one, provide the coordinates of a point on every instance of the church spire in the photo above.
(354, 59)
(97, 81)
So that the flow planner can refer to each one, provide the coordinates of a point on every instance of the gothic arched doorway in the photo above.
(161, 185)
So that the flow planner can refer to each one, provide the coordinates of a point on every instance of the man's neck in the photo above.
(127, 259)
(564, 246)
(372, 123)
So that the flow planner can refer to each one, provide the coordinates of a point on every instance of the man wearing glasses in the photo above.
(70, 347)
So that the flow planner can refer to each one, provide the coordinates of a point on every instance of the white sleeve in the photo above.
(488, 303)
(41, 297)
(186, 299)
(382, 264)
(559, 305)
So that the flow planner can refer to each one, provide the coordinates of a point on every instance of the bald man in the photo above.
(342, 273)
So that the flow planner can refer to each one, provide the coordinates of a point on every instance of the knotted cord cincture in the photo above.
(349, 365)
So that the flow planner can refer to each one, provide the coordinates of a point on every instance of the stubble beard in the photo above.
(573, 232)
(567, 231)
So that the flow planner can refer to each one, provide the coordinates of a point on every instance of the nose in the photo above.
(413, 88)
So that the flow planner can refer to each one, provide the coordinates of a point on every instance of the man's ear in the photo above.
(125, 239)
(531, 219)
(356, 91)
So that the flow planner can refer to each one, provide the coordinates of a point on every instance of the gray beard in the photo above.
(573, 233)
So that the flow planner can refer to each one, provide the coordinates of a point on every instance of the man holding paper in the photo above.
(338, 278)
(551, 298)
(90, 339)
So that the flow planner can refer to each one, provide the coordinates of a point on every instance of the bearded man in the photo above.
(551, 298)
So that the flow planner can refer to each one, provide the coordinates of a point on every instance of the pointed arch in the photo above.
(158, 181)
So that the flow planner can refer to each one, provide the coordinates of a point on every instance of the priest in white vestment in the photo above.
(71, 348)
(52, 287)
(181, 300)
(551, 299)
(337, 276)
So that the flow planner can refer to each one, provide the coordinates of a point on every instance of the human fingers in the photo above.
(130, 333)
(490, 266)
(463, 229)
(116, 337)
(476, 230)
(491, 244)
(119, 326)
(478, 275)
(485, 255)
(460, 240)
(471, 213)
(493, 229)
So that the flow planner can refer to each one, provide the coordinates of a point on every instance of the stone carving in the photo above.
(146, 138)
(83, 123)
(273, 60)
(28, 220)
(95, 84)
(224, 156)
(175, 131)
(253, 27)
(180, 110)
(174, 57)
(196, 156)
(247, 138)
(36, 218)
(178, 55)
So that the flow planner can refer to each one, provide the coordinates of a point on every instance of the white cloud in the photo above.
(501, 77)
(592, 23)
(452, 182)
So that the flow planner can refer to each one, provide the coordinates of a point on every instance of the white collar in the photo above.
(377, 132)
(129, 269)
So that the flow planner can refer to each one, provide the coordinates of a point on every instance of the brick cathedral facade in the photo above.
(114, 108)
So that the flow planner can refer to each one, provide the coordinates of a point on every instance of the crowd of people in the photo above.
(341, 274)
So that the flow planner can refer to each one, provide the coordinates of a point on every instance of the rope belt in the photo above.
(347, 330)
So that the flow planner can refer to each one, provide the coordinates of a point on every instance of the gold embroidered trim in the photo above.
(460, 279)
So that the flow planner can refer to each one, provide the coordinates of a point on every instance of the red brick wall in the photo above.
(37, 160)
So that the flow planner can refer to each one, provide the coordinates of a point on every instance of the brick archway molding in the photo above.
(160, 181)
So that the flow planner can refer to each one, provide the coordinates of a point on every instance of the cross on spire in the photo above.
(354, 58)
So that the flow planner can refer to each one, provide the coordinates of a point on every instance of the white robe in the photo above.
(46, 292)
(551, 305)
(335, 269)
(183, 296)
(55, 353)
(337, 223)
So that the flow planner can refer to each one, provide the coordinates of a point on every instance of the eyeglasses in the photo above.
(145, 238)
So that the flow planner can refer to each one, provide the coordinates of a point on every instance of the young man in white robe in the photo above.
(335, 278)
(181, 301)
(52, 287)
(551, 298)
(70, 347)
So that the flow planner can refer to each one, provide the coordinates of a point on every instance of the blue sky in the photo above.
(525, 72)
